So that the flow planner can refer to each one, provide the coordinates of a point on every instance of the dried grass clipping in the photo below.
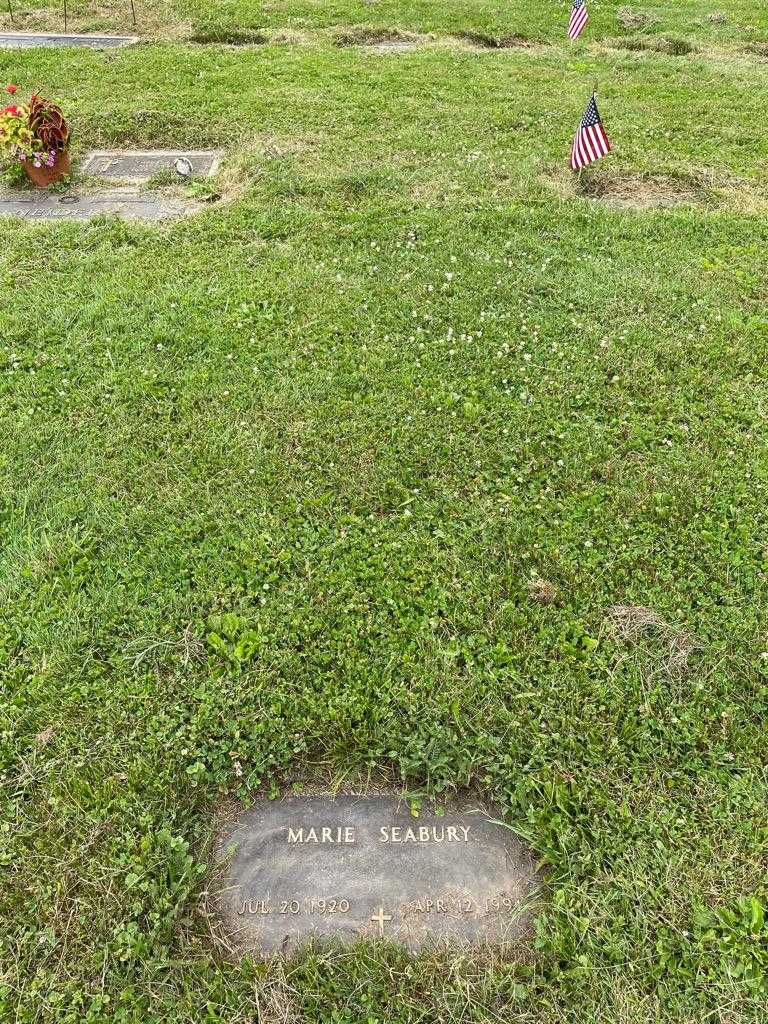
(631, 621)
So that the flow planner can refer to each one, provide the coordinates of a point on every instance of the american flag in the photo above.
(590, 141)
(579, 18)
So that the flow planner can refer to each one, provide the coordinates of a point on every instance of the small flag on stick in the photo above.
(590, 141)
(579, 18)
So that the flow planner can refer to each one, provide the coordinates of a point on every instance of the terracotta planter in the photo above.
(43, 176)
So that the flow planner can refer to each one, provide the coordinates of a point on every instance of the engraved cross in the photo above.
(380, 917)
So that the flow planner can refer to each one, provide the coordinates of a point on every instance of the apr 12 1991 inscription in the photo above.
(354, 866)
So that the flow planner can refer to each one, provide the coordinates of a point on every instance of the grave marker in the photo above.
(27, 40)
(354, 866)
(140, 165)
(127, 203)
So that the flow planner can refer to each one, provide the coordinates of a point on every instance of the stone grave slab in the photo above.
(27, 40)
(352, 867)
(139, 165)
(127, 203)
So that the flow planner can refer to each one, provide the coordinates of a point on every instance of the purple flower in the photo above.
(36, 163)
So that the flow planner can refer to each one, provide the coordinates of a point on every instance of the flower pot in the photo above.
(44, 176)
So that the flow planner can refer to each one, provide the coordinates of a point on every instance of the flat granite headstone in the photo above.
(363, 866)
(127, 203)
(27, 40)
(139, 165)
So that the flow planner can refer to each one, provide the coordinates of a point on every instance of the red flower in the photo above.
(11, 89)
(10, 109)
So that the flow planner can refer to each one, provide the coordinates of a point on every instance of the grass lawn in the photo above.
(733, 25)
(415, 460)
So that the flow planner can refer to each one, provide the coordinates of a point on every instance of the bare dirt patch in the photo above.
(629, 18)
(673, 46)
(229, 37)
(363, 35)
(757, 50)
(656, 190)
(290, 37)
(488, 42)
(645, 191)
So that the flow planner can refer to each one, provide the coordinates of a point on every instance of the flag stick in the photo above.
(133, 13)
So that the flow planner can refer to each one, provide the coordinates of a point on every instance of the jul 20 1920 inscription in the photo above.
(354, 866)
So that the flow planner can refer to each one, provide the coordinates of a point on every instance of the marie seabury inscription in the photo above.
(363, 866)
(395, 834)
